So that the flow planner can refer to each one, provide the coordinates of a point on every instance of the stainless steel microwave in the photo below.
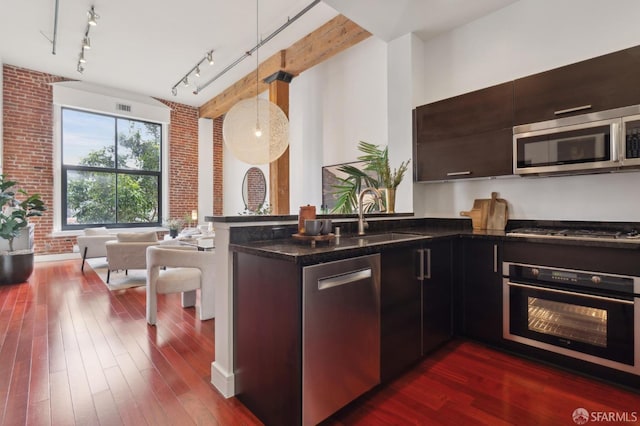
(588, 143)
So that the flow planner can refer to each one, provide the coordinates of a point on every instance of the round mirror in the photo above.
(254, 189)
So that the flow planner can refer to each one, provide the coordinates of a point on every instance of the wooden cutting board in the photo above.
(498, 213)
(478, 213)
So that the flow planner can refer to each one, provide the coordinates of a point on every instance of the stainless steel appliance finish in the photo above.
(340, 334)
(599, 141)
(578, 234)
(586, 315)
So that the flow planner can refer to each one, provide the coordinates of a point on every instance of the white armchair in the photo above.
(189, 270)
(93, 243)
(129, 251)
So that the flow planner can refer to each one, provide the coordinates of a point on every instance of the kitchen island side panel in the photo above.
(267, 337)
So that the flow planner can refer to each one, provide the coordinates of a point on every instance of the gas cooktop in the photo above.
(579, 234)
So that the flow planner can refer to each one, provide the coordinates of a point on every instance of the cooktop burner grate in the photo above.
(596, 234)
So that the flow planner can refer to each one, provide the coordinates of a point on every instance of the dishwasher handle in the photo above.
(342, 279)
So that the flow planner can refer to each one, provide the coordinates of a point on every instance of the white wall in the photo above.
(525, 38)
(205, 168)
(333, 106)
(1, 120)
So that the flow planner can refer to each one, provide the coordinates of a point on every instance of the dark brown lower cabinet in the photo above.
(482, 290)
(415, 296)
(268, 338)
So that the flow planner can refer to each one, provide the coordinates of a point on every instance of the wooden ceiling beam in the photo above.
(330, 39)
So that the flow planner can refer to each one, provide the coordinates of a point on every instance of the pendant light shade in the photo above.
(242, 124)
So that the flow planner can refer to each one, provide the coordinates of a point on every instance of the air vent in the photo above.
(123, 107)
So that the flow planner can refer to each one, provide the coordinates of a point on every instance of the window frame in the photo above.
(64, 170)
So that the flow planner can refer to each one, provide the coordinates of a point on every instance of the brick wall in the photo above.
(218, 150)
(183, 163)
(28, 150)
(28, 144)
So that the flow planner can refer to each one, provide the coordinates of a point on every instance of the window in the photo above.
(111, 171)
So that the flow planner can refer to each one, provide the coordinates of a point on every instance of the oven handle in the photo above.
(571, 293)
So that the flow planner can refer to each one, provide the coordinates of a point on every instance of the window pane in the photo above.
(137, 198)
(87, 139)
(138, 145)
(90, 198)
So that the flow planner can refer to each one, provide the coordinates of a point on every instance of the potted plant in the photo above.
(377, 173)
(16, 207)
(174, 226)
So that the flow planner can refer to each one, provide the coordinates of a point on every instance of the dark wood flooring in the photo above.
(73, 352)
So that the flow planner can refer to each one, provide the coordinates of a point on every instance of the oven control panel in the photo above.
(558, 277)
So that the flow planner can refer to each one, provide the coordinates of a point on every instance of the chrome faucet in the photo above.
(362, 224)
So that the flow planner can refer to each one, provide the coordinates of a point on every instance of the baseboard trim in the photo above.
(222, 380)
(55, 257)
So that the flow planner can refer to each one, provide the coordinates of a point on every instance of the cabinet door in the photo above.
(482, 290)
(605, 82)
(478, 155)
(472, 113)
(436, 295)
(400, 316)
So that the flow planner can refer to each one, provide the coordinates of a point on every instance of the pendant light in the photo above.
(256, 130)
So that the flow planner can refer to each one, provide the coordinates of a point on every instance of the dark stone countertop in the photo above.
(349, 245)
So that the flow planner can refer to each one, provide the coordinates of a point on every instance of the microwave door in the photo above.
(566, 149)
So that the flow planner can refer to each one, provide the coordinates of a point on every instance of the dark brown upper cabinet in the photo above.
(465, 136)
(597, 84)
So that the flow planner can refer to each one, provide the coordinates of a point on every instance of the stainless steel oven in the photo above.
(585, 315)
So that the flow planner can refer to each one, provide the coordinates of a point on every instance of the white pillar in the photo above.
(404, 62)
(205, 168)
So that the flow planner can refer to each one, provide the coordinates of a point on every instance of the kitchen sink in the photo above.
(387, 237)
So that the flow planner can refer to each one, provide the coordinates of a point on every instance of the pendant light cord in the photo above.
(258, 130)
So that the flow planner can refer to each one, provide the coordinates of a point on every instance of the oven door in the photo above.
(598, 329)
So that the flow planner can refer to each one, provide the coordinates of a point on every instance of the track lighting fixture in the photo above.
(86, 40)
(195, 71)
(93, 17)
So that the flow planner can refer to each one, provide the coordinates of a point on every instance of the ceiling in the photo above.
(147, 46)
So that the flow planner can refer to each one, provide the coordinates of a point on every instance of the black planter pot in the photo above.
(173, 233)
(15, 267)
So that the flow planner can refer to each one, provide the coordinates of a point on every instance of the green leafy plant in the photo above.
(15, 212)
(174, 224)
(377, 164)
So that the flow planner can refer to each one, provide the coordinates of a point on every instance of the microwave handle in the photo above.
(616, 141)
(574, 109)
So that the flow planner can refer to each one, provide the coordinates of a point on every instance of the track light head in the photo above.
(198, 71)
(185, 82)
(80, 68)
(93, 17)
(81, 59)
(210, 57)
(174, 91)
(86, 43)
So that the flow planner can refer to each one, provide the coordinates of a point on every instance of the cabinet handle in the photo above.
(574, 109)
(495, 258)
(468, 172)
(428, 275)
(420, 275)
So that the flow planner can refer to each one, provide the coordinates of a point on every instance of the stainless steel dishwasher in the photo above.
(340, 334)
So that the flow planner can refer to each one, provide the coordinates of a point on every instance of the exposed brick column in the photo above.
(183, 160)
(218, 150)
